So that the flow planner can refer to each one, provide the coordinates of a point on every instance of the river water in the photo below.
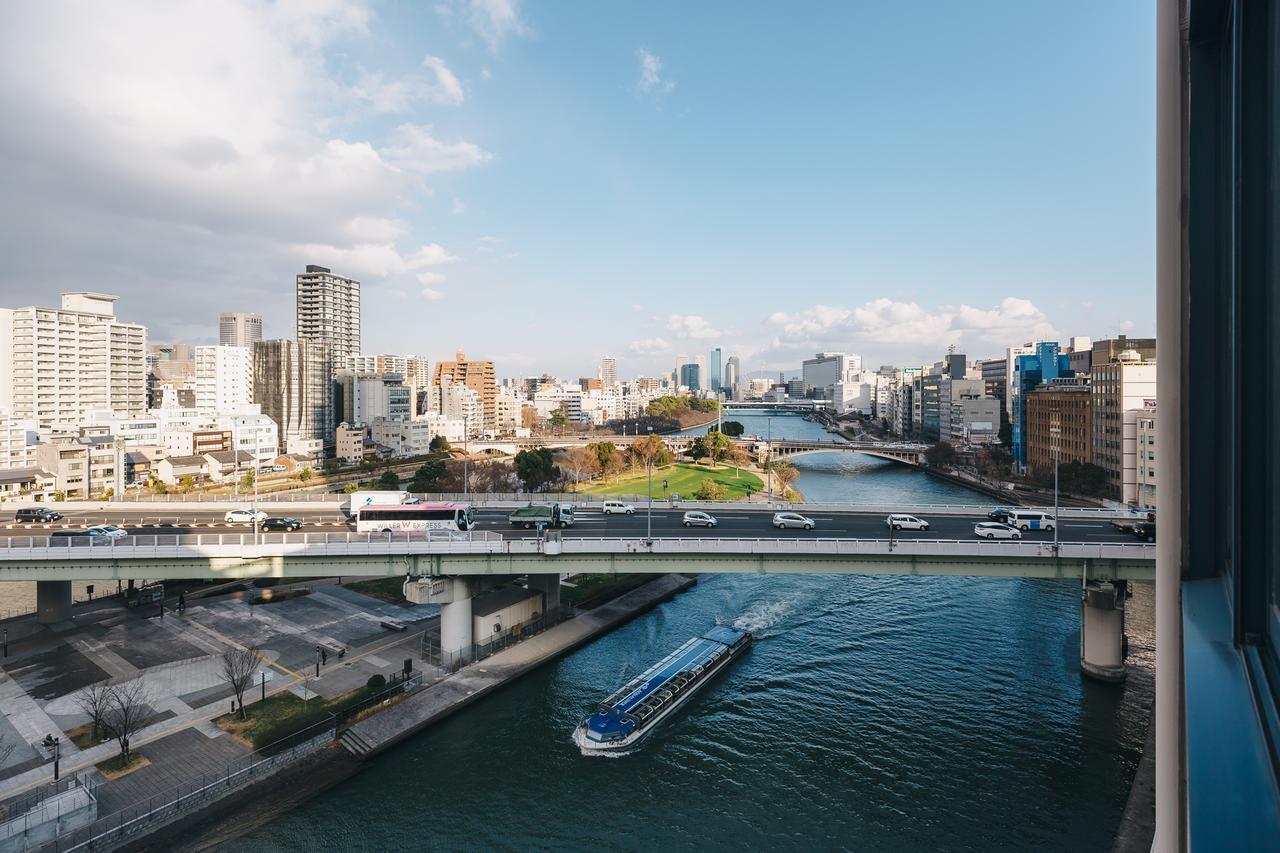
(873, 713)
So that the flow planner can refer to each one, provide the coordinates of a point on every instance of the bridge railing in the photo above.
(345, 544)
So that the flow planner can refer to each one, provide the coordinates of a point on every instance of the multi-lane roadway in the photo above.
(590, 521)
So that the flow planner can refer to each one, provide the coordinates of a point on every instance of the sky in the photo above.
(546, 183)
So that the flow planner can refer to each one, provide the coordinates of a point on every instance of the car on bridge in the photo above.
(906, 522)
(247, 515)
(36, 513)
(611, 507)
(792, 519)
(281, 522)
(995, 530)
(1145, 530)
(695, 518)
(1000, 514)
(98, 533)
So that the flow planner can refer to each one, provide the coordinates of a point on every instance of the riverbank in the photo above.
(259, 804)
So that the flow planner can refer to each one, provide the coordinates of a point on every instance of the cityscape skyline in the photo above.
(391, 145)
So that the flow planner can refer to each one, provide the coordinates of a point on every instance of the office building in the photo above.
(1066, 403)
(239, 328)
(691, 376)
(1123, 391)
(479, 376)
(223, 378)
(825, 369)
(293, 383)
(1011, 355)
(733, 378)
(609, 371)
(1146, 458)
(1045, 364)
(329, 309)
(715, 372)
(58, 363)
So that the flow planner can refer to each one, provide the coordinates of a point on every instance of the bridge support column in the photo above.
(549, 586)
(53, 601)
(1102, 641)
(455, 625)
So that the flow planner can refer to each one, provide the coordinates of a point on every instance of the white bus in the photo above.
(1025, 519)
(395, 518)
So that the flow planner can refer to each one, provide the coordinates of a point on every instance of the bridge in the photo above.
(759, 447)
(193, 541)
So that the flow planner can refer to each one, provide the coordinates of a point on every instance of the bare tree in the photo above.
(129, 709)
(580, 462)
(95, 700)
(784, 474)
(238, 668)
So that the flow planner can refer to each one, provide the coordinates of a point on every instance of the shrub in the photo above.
(376, 682)
(710, 490)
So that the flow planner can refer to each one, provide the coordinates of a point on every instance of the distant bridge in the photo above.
(760, 448)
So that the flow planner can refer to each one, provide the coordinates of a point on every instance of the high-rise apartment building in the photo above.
(239, 328)
(479, 376)
(1123, 390)
(715, 372)
(224, 378)
(293, 383)
(1146, 457)
(329, 309)
(609, 371)
(58, 363)
(733, 378)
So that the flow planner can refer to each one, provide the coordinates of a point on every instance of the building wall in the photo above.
(1073, 405)
(293, 384)
(479, 376)
(329, 309)
(1146, 449)
(224, 378)
(239, 329)
(1122, 391)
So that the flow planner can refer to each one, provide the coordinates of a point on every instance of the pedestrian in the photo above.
(182, 602)
(324, 657)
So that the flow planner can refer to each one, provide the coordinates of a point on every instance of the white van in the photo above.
(1025, 519)
(611, 507)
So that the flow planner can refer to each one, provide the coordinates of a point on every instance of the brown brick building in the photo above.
(1070, 401)
(479, 376)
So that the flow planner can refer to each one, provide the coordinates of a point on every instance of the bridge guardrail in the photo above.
(320, 544)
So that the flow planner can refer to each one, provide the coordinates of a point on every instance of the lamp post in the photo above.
(466, 473)
(1056, 432)
(649, 513)
(768, 458)
(54, 743)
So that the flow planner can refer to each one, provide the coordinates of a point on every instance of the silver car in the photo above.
(792, 519)
(695, 518)
(995, 530)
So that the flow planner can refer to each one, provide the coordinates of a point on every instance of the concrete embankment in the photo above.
(385, 729)
(259, 804)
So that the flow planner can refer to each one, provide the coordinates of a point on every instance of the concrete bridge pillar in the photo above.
(549, 586)
(455, 623)
(53, 601)
(1102, 642)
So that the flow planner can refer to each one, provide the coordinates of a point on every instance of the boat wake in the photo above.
(763, 616)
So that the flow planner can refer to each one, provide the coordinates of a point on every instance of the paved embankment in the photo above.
(389, 727)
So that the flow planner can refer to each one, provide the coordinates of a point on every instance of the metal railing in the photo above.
(207, 545)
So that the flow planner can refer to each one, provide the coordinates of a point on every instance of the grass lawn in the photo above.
(114, 767)
(682, 479)
(82, 736)
(280, 716)
(384, 589)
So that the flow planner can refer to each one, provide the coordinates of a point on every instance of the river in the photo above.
(873, 713)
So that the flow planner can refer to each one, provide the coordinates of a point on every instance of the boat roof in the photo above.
(694, 653)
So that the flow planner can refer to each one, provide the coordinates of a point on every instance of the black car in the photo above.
(1000, 514)
(1145, 530)
(36, 513)
(281, 522)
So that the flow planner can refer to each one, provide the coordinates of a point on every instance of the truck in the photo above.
(542, 515)
(388, 498)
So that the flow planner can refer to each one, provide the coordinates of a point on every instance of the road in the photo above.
(736, 523)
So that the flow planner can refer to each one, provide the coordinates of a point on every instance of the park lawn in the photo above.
(682, 479)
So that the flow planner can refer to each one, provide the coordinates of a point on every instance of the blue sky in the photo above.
(544, 183)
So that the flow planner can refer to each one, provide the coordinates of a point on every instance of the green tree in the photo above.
(304, 475)
(331, 466)
(536, 468)
(350, 488)
(427, 477)
(389, 481)
(733, 429)
(1081, 478)
(440, 444)
(698, 448)
(247, 479)
(718, 446)
(1006, 429)
(605, 453)
(557, 420)
(710, 490)
(940, 454)
(160, 487)
(188, 483)
(650, 447)
(784, 474)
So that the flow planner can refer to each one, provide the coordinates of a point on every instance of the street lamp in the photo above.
(54, 743)
(768, 458)
(649, 514)
(466, 474)
(1056, 432)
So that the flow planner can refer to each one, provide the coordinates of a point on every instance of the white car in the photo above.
(995, 530)
(244, 516)
(106, 531)
(792, 519)
(611, 507)
(906, 522)
(695, 518)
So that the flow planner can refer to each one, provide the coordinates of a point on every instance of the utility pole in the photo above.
(768, 458)
(649, 513)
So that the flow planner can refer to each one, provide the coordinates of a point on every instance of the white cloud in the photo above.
(651, 73)
(691, 326)
(1125, 327)
(494, 21)
(414, 149)
(151, 165)
(431, 294)
(458, 207)
(430, 277)
(446, 89)
(430, 255)
(650, 346)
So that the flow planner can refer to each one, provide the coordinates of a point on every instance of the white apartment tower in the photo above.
(329, 309)
(62, 362)
(239, 329)
(224, 378)
(608, 371)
